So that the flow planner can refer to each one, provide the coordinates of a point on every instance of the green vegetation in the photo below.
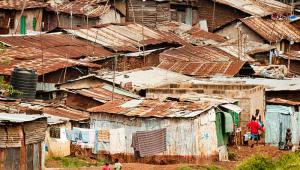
(289, 161)
(74, 162)
(199, 168)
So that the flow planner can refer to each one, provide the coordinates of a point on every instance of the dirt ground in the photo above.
(240, 153)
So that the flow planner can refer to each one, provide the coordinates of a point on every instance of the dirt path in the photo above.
(240, 154)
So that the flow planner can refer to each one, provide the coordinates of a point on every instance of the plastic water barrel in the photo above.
(24, 81)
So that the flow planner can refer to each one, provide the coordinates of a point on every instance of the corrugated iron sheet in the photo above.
(126, 37)
(59, 44)
(155, 108)
(292, 55)
(258, 7)
(32, 58)
(87, 8)
(103, 93)
(68, 113)
(18, 4)
(273, 30)
(280, 101)
(196, 54)
(203, 69)
(18, 118)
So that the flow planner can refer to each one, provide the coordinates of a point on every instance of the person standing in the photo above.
(118, 165)
(254, 128)
(106, 167)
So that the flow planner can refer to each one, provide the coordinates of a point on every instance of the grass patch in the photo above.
(289, 161)
(74, 162)
(199, 168)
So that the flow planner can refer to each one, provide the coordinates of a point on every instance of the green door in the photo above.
(23, 25)
(222, 136)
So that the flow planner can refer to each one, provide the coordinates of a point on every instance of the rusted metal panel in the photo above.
(85, 8)
(258, 7)
(50, 63)
(59, 44)
(66, 112)
(122, 37)
(273, 30)
(35, 132)
(156, 108)
(18, 5)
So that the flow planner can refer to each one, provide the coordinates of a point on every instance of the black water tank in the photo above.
(24, 80)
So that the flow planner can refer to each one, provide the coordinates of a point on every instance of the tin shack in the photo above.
(178, 130)
(21, 141)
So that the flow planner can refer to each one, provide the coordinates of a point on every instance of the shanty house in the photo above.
(277, 32)
(165, 124)
(250, 97)
(60, 119)
(80, 14)
(219, 13)
(21, 17)
(22, 141)
(204, 61)
(282, 114)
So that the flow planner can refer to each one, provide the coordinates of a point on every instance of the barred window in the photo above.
(55, 132)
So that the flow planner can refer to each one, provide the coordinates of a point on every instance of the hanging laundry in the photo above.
(117, 140)
(148, 143)
(73, 135)
(86, 138)
(228, 122)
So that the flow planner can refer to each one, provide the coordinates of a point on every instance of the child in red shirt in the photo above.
(254, 128)
(106, 167)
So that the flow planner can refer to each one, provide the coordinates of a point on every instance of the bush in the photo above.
(256, 162)
(289, 161)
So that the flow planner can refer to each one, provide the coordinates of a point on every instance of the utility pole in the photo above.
(114, 75)
(143, 5)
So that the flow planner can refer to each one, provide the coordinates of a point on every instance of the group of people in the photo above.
(117, 166)
(256, 127)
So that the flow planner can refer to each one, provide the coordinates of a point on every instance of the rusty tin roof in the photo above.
(66, 112)
(59, 44)
(258, 7)
(156, 108)
(18, 4)
(87, 8)
(273, 30)
(122, 37)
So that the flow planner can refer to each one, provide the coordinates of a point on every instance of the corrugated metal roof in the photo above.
(155, 108)
(122, 37)
(59, 44)
(196, 54)
(145, 78)
(18, 118)
(258, 7)
(32, 58)
(103, 93)
(203, 69)
(269, 84)
(250, 47)
(193, 35)
(200, 61)
(87, 8)
(68, 113)
(18, 4)
(273, 30)
(283, 102)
